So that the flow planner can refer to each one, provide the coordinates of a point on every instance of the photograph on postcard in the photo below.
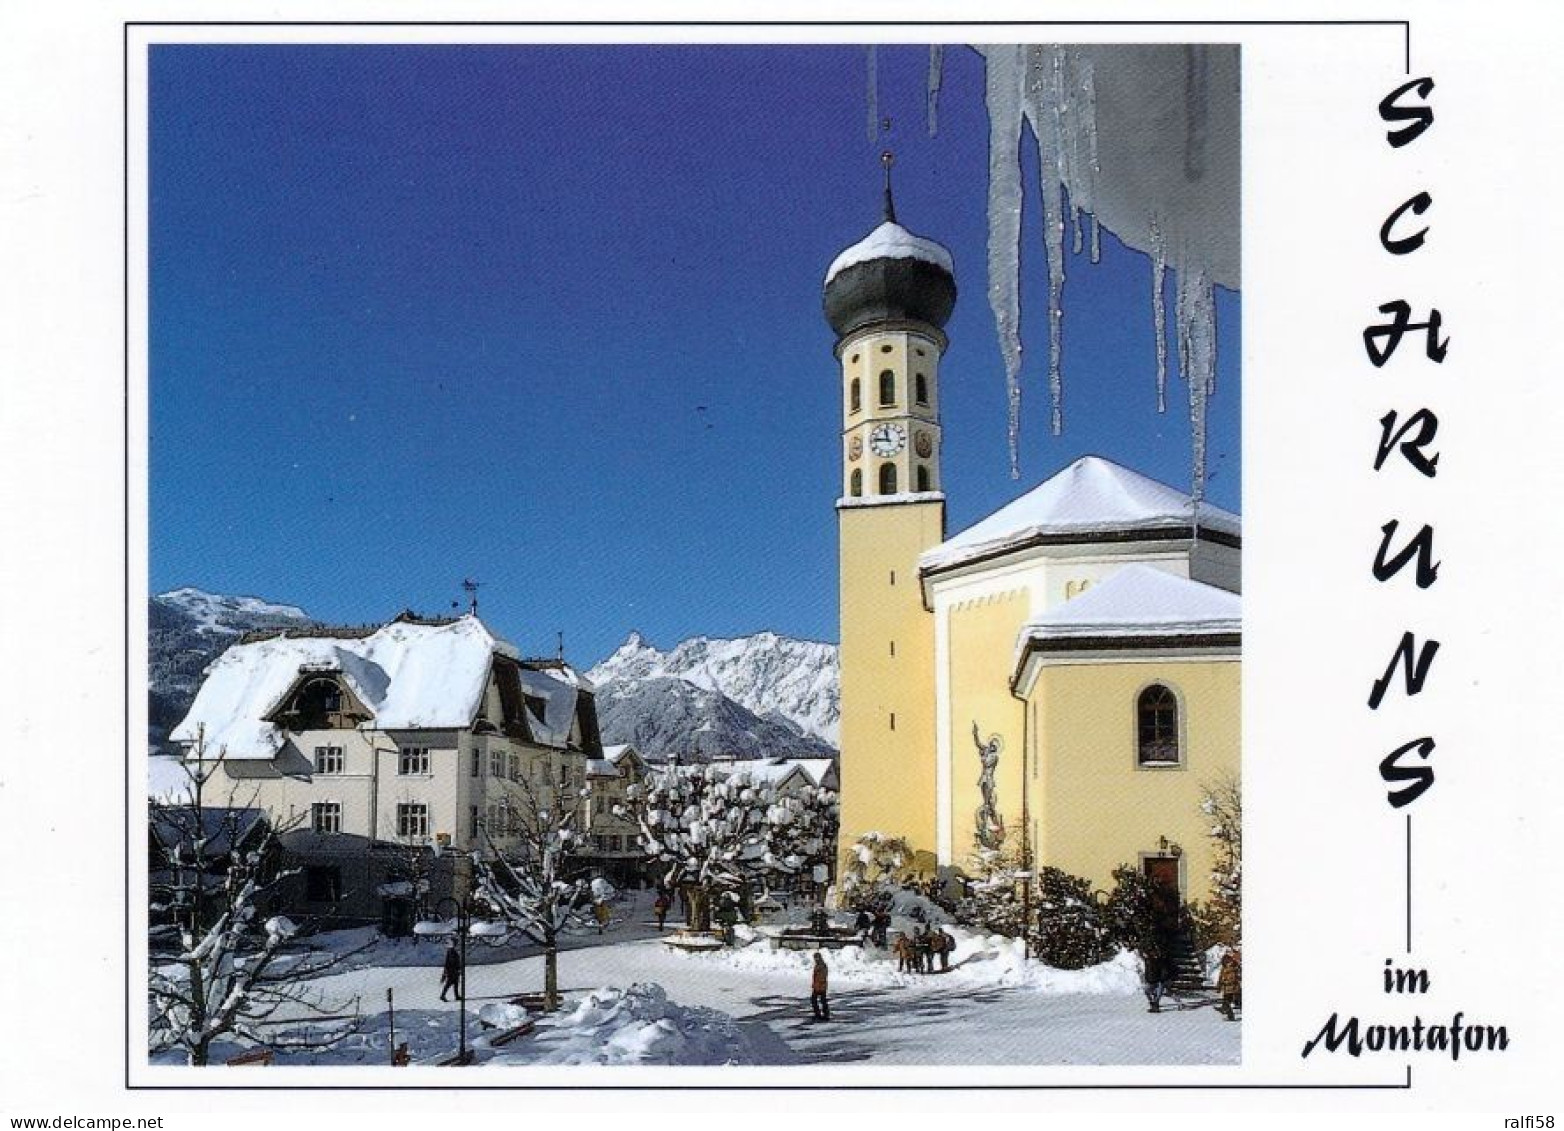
(693, 554)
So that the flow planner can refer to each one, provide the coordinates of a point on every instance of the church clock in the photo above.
(887, 440)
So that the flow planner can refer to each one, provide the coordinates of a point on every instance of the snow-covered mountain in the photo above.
(186, 630)
(665, 717)
(786, 692)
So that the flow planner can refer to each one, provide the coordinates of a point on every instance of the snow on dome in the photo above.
(409, 675)
(1140, 600)
(1091, 496)
(890, 241)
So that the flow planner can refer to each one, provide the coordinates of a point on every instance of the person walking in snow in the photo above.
(660, 908)
(882, 926)
(602, 913)
(864, 925)
(1153, 974)
(451, 972)
(1229, 983)
(903, 949)
(923, 951)
(818, 983)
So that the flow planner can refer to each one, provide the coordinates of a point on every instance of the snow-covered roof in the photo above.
(816, 768)
(601, 768)
(559, 710)
(411, 676)
(616, 753)
(1140, 600)
(1091, 496)
(890, 241)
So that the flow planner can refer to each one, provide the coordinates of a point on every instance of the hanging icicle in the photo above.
(1042, 108)
(1159, 311)
(1003, 96)
(1195, 317)
(874, 94)
(935, 81)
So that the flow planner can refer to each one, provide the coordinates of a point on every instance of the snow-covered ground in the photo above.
(631, 999)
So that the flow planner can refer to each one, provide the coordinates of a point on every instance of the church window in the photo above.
(885, 349)
(1156, 714)
(856, 489)
(923, 478)
(893, 720)
(887, 387)
(855, 397)
(887, 479)
(922, 385)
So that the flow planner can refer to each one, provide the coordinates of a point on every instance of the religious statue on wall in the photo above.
(990, 825)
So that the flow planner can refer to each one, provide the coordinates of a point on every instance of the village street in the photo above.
(985, 1011)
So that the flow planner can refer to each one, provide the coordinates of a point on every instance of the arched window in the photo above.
(922, 389)
(1156, 717)
(887, 479)
(856, 490)
(887, 387)
(855, 396)
(923, 477)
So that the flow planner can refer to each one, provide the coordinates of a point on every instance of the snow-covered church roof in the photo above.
(410, 675)
(890, 241)
(1140, 600)
(1092, 496)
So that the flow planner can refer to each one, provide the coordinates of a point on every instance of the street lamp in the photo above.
(453, 918)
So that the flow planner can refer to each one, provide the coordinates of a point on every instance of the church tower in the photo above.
(887, 298)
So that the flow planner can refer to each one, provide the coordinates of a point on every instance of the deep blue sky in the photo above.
(427, 313)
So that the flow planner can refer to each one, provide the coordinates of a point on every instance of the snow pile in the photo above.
(1140, 600)
(1091, 496)
(890, 241)
(638, 1025)
(979, 961)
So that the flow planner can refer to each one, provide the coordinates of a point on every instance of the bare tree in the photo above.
(1222, 803)
(536, 888)
(232, 973)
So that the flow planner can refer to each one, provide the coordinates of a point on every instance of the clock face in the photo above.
(855, 447)
(887, 440)
(923, 444)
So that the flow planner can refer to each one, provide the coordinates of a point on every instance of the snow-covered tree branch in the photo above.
(232, 971)
(535, 889)
(708, 830)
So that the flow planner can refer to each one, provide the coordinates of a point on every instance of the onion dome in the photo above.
(891, 275)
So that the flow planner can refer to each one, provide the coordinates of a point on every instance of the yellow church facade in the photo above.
(1060, 681)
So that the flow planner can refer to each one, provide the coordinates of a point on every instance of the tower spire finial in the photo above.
(888, 159)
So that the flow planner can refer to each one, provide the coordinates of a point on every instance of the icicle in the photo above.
(1159, 314)
(1195, 311)
(936, 79)
(1042, 97)
(1086, 116)
(1003, 96)
(874, 95)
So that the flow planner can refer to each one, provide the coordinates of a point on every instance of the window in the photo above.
(472, 816)
(856, 481)
(515, 767)
(887, 388)
(855, 398)
(1156, 713)
(922, 388)
(322, 883)
(326, 817)
(615, 844)
(887, 479)
(885, 349)
(477, 762)
(413, 760)
(923, 478)
(328, 759)
(496, 763)
(412, 820)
